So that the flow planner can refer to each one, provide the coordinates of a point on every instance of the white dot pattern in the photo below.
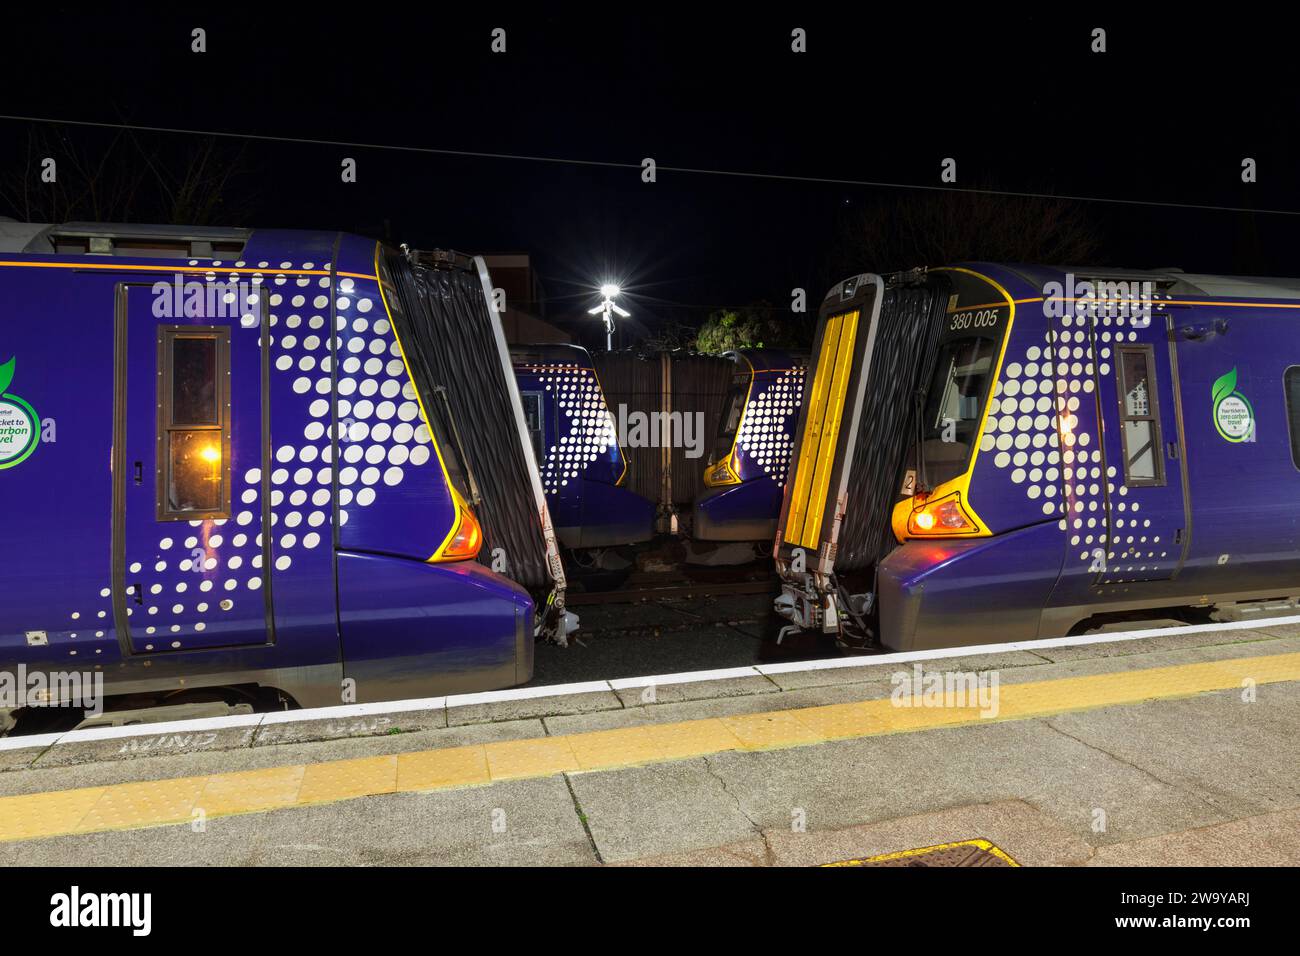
(1033, 432)
(766, 433)
(380, 428)
(587, 431)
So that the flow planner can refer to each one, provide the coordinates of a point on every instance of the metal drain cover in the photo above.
(965, 853)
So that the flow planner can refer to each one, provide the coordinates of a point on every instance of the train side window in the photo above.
(193, 464)
(1291, 383)
(533, 419)
(1139, 417)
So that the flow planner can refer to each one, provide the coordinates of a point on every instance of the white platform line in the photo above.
(343, 711)
(528, 693)
(622, 683)
(195, 725)
(32, 740)
(688, 677)
(907, 657)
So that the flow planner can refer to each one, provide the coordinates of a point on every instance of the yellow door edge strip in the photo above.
(150, 803)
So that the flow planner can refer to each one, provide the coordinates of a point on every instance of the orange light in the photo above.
(466, 541)
(211, 453)
(943, 516)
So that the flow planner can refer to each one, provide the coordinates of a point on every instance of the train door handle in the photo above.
(139, 472)
(137, 592)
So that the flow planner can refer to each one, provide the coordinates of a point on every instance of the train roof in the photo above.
(550, 353)
(1167, 281)
(770, 360)
(140, 240)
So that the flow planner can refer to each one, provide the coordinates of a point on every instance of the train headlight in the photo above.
(943, 516)
(466, 539)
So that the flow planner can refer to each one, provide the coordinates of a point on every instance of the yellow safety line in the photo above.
(158, 802)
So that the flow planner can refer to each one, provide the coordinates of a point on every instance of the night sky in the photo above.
(1167, 114)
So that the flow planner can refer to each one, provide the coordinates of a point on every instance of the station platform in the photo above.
(1171, 746)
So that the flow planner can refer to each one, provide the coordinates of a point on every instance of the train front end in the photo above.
(886, 538)
(746, 471)
(576, 441)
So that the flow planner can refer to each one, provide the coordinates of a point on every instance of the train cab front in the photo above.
(980, 546)
(575, 437)
(906, 522)
(427, 596)
(747, 467)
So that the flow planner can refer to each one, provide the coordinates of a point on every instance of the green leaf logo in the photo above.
(1224, 386)
(6, 375)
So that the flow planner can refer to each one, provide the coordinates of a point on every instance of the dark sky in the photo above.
(1166, 115)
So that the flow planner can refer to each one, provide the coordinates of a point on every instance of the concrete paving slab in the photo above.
(1028, 835)
(1239, 757)
(671, 693)
(199, 763)
(878, 673)
(638, 811)
(674, 711)
(525, 823)
(1278, 630)
(872, 779)
(523, 709)
(285, 728)
(126, 743)
(19, 753)
(1271, 839)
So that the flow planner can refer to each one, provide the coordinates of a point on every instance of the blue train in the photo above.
(582, 465)
(220, 476)
(747, 467)
(584, 468)
(992, 453)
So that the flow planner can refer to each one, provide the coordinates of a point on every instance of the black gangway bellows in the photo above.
(911, 319)
(875, 347)
(458, 356)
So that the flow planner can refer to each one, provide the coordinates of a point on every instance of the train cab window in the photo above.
(1138, 415)
(533, 420)
(193, 422)
(1291, 383)
(954, 406)
(733, 407)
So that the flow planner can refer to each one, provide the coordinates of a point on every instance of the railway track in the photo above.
(686, 589)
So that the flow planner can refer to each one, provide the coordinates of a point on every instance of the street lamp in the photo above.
(608, 309)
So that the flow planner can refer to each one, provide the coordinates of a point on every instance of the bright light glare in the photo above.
(609, 290)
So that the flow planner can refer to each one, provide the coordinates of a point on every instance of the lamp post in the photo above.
(608, 308)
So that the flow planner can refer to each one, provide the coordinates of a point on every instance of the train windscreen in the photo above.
(733, 408)
(955, 406)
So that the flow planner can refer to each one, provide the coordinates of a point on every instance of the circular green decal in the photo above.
(1234, 418)
(20, 430)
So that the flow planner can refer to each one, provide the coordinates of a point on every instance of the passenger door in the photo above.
(1139, 478)
(191, 564)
